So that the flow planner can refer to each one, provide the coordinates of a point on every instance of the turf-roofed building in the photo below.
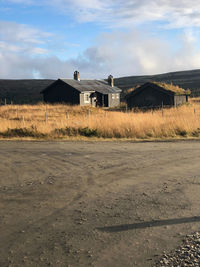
(83, 92)
(156, 94)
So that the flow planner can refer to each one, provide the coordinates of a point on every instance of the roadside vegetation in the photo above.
(62, 121)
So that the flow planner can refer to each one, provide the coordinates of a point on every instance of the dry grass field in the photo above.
(63, 121)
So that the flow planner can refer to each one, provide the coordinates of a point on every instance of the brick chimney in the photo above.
(111, 80)
(76, 76)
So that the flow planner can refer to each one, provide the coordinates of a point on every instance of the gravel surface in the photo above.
(188, 254)
(109, 204)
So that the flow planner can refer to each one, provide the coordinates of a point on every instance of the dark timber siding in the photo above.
(149, 97)
(102, 100)
(60, 92)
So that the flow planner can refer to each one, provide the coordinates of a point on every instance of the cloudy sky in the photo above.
(52, 38)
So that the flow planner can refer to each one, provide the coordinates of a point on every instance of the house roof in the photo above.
(100, 86)
(173, 88)
(165, 87)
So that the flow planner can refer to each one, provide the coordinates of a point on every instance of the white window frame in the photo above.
(117, 96)
(86, 97)
(113, 96)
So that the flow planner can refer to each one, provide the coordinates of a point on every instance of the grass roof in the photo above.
(173, 88)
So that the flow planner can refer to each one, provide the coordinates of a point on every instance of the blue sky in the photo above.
(52, 38)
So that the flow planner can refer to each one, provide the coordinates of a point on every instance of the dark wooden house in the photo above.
(154, 94)
(83, 92)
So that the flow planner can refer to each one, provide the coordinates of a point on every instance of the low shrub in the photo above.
(70, 131)
(181, 132)
(196, 133)
(22, 132)
(88, 132)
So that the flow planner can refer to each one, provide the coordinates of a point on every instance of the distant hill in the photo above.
(22, 91)
(185, 79)
(28, 91)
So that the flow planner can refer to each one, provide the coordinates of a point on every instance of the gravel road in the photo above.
(98, 203)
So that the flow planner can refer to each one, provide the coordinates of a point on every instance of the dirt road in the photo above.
(96, 204)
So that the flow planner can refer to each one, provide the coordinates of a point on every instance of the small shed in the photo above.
(83, 92)
(156, 94)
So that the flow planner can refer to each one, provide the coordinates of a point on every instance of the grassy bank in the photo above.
(61, 121)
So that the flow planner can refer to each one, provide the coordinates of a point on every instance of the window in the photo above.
(117, 96)
(87, 98)
(113, 96)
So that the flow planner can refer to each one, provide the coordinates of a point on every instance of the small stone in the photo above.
(165, 261)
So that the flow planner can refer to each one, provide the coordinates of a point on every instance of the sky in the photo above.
(53, 38)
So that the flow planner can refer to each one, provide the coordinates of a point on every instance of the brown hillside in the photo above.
(184, 79)
(22, 91)
(28, 91)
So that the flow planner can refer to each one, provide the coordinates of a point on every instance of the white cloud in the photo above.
(121, 54)
(19, 46)
(21, 40)
(136, 53)
(22, 52)
(18, 33)
(117, 13)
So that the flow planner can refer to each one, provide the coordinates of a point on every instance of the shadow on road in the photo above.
(126, 227)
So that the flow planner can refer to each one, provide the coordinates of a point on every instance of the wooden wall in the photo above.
(180, 99)
(114, 100)
(149, 97)
(59, 92)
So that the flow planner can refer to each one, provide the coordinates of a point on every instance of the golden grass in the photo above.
(167, 86)
(174, 88)
(62, 121)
